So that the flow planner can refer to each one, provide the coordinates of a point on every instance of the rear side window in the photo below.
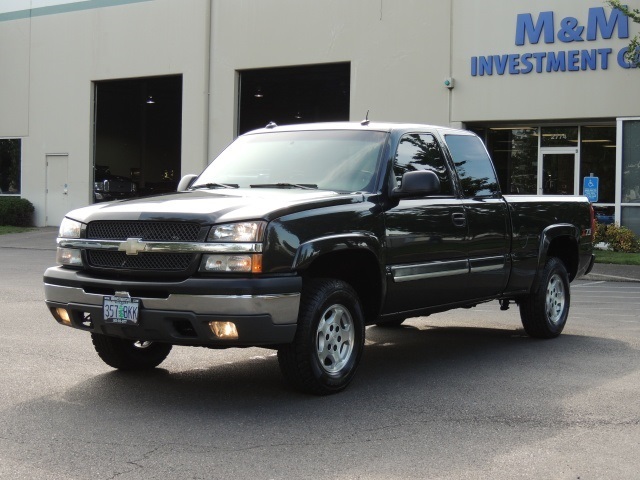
(473, 165)
(421, 152)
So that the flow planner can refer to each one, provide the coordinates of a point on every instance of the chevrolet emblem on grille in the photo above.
(132, 246)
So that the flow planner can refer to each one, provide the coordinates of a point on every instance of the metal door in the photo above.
(57, 188)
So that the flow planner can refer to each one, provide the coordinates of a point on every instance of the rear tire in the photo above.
(544, 312)
(129, 354)
(329, 339)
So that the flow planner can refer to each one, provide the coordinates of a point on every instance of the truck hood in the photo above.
(215, 206)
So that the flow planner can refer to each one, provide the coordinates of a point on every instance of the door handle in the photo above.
(459, 219)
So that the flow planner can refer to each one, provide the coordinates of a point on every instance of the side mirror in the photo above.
(186, 181)
(419, 183)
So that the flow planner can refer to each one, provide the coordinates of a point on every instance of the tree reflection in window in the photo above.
(421, 152)
(474, 167)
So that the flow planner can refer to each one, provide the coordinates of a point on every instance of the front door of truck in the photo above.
(426, 261)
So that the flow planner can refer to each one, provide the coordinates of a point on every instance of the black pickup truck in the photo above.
(296, 238)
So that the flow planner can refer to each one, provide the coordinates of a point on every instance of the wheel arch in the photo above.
(353, 258)
(560, 241)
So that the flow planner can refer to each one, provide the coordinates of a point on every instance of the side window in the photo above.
(473, 165)
(421, 152)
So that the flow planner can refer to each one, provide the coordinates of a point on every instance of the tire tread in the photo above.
(294, 359)
(532, 307)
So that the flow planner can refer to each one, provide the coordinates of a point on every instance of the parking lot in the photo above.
(464, 394)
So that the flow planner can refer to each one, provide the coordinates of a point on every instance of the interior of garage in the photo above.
(137, 145)
(291, 95)
(138, 121)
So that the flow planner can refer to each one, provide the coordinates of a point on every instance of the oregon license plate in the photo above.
(124, 310)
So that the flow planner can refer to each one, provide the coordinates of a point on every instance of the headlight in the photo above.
(69, 228)
(98, 186)
(237, 232)
(232, 263)
(233, 260)
(69, 256)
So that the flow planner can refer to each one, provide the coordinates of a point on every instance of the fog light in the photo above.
(224, 330)
(63, 316)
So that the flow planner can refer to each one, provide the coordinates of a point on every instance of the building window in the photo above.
(10, 154)
(598, 157)
(630, 214)
(515, 156)
(630, 163)
(559, 137)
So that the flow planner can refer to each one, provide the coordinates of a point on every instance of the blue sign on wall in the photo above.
(590, 188)
(571, 32)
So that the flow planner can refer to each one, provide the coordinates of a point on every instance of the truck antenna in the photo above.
(366, 119)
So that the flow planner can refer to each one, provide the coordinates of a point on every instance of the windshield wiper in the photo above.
(304, 186)
(215, 185)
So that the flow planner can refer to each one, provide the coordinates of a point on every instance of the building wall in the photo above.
(489, 28)
(55, 57)
(14, 80)
(399, 53)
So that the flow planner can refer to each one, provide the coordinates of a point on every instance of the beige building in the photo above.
(136, 93)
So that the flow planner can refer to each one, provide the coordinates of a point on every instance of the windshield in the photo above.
(340, 160)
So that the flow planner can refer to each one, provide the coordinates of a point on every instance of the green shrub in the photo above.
(16, 211)
(601, 233)
(619, 239)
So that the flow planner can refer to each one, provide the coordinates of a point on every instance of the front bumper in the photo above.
(264, 310)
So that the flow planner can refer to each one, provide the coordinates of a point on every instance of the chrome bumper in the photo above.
(264, 310)
(282, 308)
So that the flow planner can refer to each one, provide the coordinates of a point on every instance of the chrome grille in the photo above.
(143, 261)
(149, 231)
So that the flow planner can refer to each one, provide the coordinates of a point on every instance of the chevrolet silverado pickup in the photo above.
(296, 238)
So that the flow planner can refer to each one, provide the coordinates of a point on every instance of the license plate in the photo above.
(123, 310)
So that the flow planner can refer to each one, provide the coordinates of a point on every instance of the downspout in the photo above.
(208, 76)
(450, 92)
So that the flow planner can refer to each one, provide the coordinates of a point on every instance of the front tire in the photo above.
(544, 312)
(129, 354)
(329, 339)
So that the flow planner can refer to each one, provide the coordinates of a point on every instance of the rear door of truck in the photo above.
(488, 241)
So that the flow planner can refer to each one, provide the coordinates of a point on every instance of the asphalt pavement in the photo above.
(463, 394)
(45, 239)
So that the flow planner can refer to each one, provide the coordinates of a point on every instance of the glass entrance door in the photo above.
(558, 174)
